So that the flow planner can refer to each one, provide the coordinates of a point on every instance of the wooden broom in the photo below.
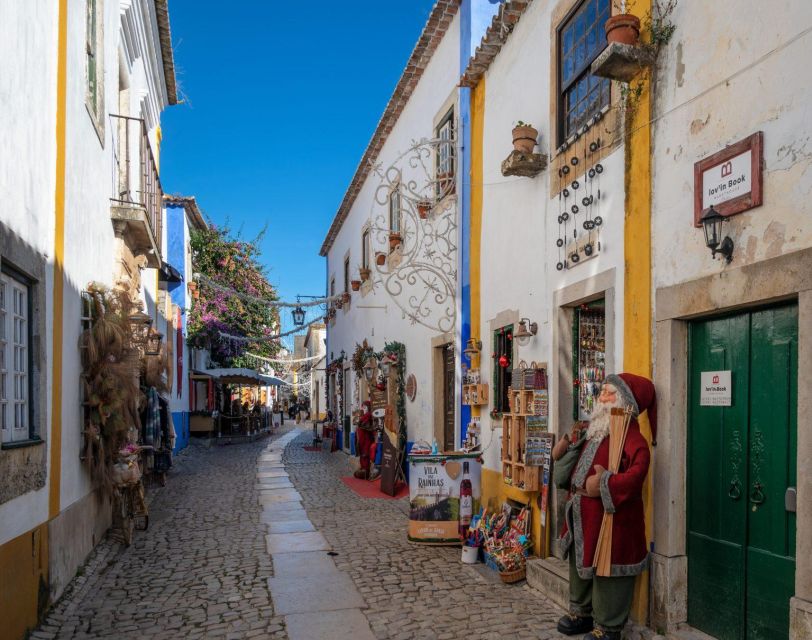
(618, 427)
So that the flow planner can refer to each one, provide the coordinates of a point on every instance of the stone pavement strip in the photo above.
(263, 540)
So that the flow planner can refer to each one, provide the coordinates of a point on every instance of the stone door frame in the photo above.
(785, 278)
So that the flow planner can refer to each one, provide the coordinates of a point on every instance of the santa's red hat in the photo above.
(638, 392)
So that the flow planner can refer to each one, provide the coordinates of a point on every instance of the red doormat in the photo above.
(310, 447)
(367, 489)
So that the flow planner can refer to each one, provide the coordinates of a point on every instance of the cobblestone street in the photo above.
(203, 567)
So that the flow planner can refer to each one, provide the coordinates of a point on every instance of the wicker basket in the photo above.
(517, 376)
(509, 577)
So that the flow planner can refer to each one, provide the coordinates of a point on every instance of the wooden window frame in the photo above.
(501, 376)
(561, 89)
(365, 248)
(94, 64)
(447, 121)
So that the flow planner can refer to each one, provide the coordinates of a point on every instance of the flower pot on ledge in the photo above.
(524, 138)
(423, 209)
(623, 28)
(380, 259)
(364, 273)
(355, 284)
(345, 297)
(394, 240)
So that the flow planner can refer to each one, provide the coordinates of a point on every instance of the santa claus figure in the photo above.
(599, 606)
(365, 441)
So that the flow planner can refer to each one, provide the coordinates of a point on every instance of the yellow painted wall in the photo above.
(637, 302)
(494, 494)
(23, 582)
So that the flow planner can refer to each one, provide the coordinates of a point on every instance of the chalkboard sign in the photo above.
(377, 398)
(389, 466)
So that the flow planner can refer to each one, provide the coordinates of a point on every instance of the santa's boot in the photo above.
(572, 624)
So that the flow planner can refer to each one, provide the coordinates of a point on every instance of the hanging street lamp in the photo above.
(298, 316)
(526, 331)
(154, 339)
(712, 222)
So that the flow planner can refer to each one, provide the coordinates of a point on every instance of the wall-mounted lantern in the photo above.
(154, 339)
(712, 222)
(369, 369)
(474, 348)
(140, 323)
(525, 331)
(298, 316)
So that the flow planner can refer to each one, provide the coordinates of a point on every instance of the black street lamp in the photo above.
(298, 316)
(712, 222)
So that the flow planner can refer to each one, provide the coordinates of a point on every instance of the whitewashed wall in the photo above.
(700, 110)
(520, 215)
(27, 179)
(379, 326)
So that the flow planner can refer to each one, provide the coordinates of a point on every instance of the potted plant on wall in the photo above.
(623, 27)
(380, 258)
(394, 240)
(355, 284)
(524, 137)
(364, 273)
(423, 209)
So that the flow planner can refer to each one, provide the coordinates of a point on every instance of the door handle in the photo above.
(757, 496)
(734, 492)
(791, 499)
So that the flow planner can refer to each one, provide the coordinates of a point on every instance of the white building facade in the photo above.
(82, 203)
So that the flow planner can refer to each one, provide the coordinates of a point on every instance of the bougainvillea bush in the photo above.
(234, 263)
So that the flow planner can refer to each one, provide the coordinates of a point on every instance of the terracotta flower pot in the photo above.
(623, 28)
(345, 298)
(524, 138)
(394, 240)
(423, 209)
(355, 284)
(380, 259)
(365, 274)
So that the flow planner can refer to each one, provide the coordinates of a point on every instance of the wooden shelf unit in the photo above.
(474, 394)
(521, 401)
(514, 472)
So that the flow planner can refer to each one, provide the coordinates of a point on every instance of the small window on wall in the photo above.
(347, 274)
(15, 364)
(588, 357)
(365, 249)
(502, 355)
(394, 210)
(445, 154)
(93, 62)
(581, 37)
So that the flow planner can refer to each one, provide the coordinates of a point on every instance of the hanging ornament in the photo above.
(503, 361)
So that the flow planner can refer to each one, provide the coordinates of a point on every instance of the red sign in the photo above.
(730, 179)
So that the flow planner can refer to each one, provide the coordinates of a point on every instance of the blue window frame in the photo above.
(581, 37)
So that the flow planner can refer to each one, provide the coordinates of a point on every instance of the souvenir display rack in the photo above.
(524, 403)
(590, 356)
(474, 394)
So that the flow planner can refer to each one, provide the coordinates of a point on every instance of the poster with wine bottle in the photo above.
(444, 494)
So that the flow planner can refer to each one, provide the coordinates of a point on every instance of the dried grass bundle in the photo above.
(110, 373)
(618, 428)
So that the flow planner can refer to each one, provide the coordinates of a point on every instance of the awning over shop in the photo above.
(240, 376)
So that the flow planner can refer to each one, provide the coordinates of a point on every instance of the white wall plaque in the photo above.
(716, 389)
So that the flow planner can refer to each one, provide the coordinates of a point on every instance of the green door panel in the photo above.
(771, 469)
(717, 480)
(741, 459)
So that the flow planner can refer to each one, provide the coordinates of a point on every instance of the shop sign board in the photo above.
(716, 389)
(377, 399)
(434, 495)
(730, 179)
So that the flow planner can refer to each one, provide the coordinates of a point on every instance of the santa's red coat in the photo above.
(621, 492)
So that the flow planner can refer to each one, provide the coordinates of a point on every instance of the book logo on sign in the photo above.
(727, 169)
(715, 379)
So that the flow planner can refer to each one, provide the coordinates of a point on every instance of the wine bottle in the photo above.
(466, 500)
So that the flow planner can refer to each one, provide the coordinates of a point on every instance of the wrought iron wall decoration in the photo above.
(420, 272)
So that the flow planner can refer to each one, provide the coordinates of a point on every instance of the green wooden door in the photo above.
(741, 460)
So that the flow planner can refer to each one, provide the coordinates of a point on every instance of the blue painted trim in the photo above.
(352, 444)
(464, 174)
(182, 430)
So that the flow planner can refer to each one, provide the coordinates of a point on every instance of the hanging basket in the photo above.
(517, 376)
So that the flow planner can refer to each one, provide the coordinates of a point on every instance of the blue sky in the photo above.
(281, 99)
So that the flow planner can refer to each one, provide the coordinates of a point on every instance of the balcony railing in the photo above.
(135, 174)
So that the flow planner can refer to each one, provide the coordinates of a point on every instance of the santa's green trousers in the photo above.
(607, 600)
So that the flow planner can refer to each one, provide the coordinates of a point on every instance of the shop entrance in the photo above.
(742, 473)
(449, 386)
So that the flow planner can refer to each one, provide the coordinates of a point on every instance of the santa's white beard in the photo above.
(601, 418)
